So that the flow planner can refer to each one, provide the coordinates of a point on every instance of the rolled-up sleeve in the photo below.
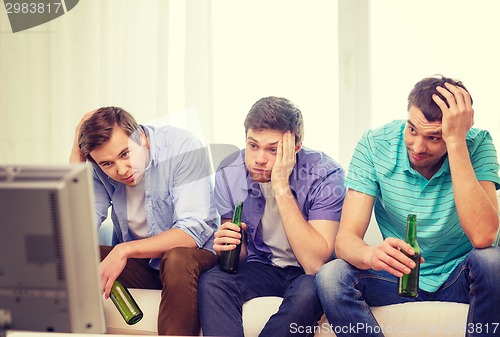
(192, 193)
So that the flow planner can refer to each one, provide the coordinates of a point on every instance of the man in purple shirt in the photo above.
(292, 201)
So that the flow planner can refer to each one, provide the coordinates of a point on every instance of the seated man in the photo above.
(157, 183)
(292, 200)
(438, 167)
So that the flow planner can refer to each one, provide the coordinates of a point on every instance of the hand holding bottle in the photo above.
(228, 236)
(229, 259)
(125, 303)
(408, 283)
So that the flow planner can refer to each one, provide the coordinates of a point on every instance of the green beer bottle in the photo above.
(408, 283)
(125, 303)
(230, 259)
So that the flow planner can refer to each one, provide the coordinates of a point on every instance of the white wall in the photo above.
(276, 48)
(415, 39)
(214, 59)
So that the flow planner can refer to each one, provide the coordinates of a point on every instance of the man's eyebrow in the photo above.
(437, 132)
(256, 141)
(124, 150)
(107, 161)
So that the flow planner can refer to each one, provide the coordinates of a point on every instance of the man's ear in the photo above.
(144, 139)
(298, 146)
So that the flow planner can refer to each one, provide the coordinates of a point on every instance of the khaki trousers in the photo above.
(177, 278)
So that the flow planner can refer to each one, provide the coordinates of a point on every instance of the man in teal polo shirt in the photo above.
(437, 166)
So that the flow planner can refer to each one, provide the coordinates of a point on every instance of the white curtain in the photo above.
(140, 55)
(415, 39)
(201, 64)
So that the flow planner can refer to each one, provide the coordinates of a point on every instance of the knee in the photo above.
(212, 280)
(332, 277)
(303, 289)
(486, 258)
(178, 264)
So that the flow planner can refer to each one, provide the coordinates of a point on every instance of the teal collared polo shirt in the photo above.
(380, 167)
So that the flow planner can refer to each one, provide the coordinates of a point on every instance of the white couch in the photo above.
(408, 320)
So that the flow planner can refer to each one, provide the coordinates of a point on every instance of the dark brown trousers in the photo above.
(177, 278)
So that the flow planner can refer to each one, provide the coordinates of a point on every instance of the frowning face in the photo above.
(123, 159)
(260, 153)
(424, 143)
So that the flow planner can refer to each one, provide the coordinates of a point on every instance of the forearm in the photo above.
(156, 246)
(477, 214)
(351, 248)
(310, 248)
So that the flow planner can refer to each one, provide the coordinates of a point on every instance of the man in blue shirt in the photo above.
(437, 166)
(157, 182)
(292, 200)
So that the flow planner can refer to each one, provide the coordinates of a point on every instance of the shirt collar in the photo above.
(153, 156)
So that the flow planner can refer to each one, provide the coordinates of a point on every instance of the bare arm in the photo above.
(475, 200)
(312, 242)
(152, 247)
(350, 246)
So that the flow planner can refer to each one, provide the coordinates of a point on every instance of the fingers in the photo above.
(108, 286)
(458, 116)
(389, 256)
(110, 268)
(228, 235)
(76, 155)
(457, 97)
(289, 148)
(88, 115)
(106, 282)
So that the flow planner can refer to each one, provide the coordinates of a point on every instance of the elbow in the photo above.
(484, 240)
(312, 268)
(340, 250)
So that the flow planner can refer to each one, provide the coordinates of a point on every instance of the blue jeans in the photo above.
(347, 293)
(221, 296)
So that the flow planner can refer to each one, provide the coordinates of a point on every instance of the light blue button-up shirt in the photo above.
(178, 190)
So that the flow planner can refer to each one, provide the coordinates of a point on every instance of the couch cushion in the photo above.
(408, 319)
(148, 300)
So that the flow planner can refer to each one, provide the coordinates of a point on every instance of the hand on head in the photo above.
(458, 114)
(285, 161)
(76, 155)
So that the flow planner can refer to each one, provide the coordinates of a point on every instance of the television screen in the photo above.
(49, 257)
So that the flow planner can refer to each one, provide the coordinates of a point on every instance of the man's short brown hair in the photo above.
(275, 113)
(98, 129)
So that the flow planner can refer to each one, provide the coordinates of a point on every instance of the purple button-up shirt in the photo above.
(317, 182)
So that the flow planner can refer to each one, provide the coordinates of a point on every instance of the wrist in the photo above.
(455, 145)
(282, 191)
(123, 250)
